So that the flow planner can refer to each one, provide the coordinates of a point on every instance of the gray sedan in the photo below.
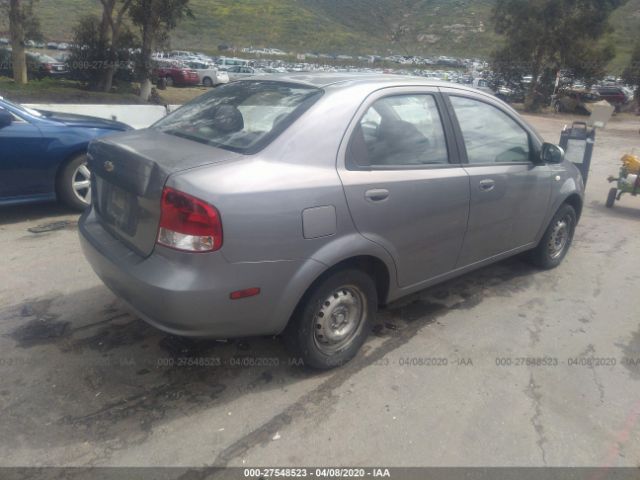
(299, 204)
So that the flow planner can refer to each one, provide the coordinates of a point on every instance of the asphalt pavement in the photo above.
(506, 366)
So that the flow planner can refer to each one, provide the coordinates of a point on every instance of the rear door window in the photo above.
(400, 130)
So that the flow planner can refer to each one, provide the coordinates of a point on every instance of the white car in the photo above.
(209, 75)
(225, 63)
(238, 73)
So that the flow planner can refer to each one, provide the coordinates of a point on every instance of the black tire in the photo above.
(611, 197)
(168, 81)
(207, 82)
(339, 292)
(65, 184)
(549, 254)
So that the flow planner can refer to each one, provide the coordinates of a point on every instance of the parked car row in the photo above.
(504, 93)
(178, 73)
(577, 100)
(574, 100)
(208, 75)
(38, 65)
(616, 95)
(58, 46)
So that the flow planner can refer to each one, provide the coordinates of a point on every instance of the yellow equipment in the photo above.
(627, 182)
(631, 163)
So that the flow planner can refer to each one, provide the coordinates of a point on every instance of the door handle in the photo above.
(377, 194)
(486, 185)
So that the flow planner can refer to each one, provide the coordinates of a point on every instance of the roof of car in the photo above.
(323, 80)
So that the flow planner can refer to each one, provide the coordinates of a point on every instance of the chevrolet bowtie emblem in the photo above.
(108, 166)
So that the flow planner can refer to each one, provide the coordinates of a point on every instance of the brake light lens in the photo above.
(188, 223)
(248, 292)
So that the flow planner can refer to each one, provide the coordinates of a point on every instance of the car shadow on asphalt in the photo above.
(81, 368)
(35, 212)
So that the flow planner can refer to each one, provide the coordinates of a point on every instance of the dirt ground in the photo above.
(450, 377)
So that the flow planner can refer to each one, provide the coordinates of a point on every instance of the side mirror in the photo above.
(551, 153)
(6, 118)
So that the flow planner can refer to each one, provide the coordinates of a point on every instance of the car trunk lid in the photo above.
(129, 173)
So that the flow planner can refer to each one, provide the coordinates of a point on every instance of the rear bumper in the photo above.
(188, 294)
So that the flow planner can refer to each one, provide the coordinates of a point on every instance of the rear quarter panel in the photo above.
(261, 199)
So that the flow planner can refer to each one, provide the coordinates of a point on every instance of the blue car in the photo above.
(43, 155)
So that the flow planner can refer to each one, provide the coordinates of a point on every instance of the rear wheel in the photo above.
(74, 183)
(556, 240)
(333, 319)
(611, 197)
(207, 82)
(168, 81)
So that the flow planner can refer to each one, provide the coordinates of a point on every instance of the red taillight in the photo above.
(189, 224)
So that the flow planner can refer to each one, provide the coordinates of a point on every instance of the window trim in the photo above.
(445, 121)
(16, 118)
(462, 148)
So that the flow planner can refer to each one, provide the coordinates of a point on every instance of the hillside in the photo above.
(446, 27)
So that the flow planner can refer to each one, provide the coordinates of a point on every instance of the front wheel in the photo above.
(333, 320)
(207, 82)
(168, 81)
(74, 183)
(556, 240)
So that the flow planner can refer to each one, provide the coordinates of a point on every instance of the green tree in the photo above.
(23, 24)
(92, 63)
(631, 74)
(541, 37)
(111, 26)
(155, 20)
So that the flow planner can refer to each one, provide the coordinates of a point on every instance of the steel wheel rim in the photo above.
(560, 236)
(81, 183)
(339, 319)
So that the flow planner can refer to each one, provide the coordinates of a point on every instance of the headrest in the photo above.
(396, 130)
(227, 119)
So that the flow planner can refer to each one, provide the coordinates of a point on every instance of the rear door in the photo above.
(509, 192)
(405, 187)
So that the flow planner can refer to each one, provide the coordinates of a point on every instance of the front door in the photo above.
(405, 187)
(509, 192)
(22, 149)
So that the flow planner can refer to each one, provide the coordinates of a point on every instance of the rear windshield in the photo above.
(242, 116)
